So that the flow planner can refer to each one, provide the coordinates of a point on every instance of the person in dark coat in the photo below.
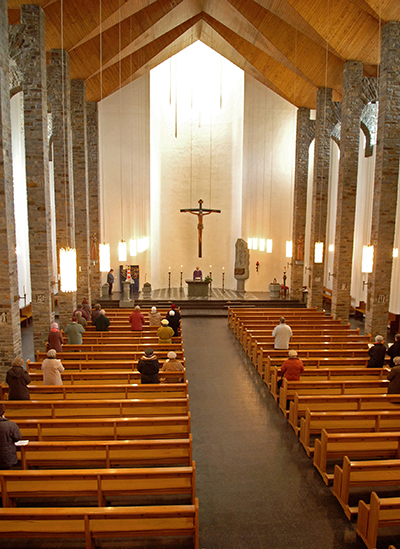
(87, 308)
(84, 313)
(17, 380)
(96, 312)
(394, 377)
(9, 435)
(177, 313)
(55, 338)
(173, 322)
(102, 322)
(394, 350)
(149, 366)
(377, 353)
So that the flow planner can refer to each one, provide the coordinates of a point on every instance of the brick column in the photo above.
(352, 107)
(59, 89)
(386, 182)
(31, 60)
(10, 331)
(322, 151)
(81, 187)
(305, 132)
(94, 196)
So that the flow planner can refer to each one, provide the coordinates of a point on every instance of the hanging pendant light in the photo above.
(133, 247)
(68, 269)
(105, 259)
(269, 245)
(367, 262)
(122, 251)
(289, 248)
(262, 244)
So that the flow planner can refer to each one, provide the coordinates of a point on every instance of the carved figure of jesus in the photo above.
(200, 212)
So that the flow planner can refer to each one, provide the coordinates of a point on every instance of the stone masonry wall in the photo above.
(386, 182)
(94, 196)
(81, 187)
(59, 90)
(10, 331)
(305, 132)
(31, 60)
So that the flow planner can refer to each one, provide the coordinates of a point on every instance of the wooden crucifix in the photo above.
(200, 212)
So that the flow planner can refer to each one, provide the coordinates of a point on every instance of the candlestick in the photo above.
(223, 281)
(181, 288)
(169, 281)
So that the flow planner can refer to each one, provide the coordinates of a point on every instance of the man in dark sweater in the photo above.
(377, 353)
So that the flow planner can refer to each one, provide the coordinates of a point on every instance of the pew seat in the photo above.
(380, 513)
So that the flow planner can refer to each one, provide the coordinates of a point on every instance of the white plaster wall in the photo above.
(125, 171)
(196, 152)
(268, 179)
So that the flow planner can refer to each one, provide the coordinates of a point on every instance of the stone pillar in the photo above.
(31, 60)
(94, 196)
(59, 89)
(305, 133)
(10, 330)
(386, 182)
(352, 107)
(81, 187)
(322, 150)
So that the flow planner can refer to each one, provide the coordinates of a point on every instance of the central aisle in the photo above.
(255, 484)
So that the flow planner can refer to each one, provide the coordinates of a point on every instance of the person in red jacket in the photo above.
(293, 367)
(136, 319)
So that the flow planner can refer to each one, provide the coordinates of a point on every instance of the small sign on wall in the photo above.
(381, 298)
(39, 298)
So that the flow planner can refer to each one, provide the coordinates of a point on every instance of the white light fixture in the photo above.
(122, 252)
(255, 243)
(367, 259)
(105, 258)
(318, 252)
(133, 247)
(289, 248)
(250, 243)
(395, 252)
(262, 245)
(331, 247)
(147, 242)
(68, 269)
(269, 245)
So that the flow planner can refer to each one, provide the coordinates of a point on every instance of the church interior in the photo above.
(257, 141)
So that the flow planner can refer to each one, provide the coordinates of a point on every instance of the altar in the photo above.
(197, 288)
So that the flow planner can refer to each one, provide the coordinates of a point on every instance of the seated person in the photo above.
(55, 338)
(79, 317)
(96, 312)
(148, 366)
(74, 332)
(292, 367)
(52, 369)
(102, 322)
(173, 322)
(154, 317)
(394, 377)
(172, 365)
(17, 379)
(9, 435)
(197, 274)
(377, 353)
(165, 332)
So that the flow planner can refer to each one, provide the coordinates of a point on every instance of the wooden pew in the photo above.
(102, 377)
(325, 403)
(112, 356)
(334, 446)
(243, 330)
(52, 409)
(235, 313)
(289, 388)
(380, 513)
(106, 453)
(82, 365)
(346, 422)
(100, 392)
(330, 374)
(120, 338)
(100, 522)
(363, 474)
(99, 484)
(121, 347)
(122, 428)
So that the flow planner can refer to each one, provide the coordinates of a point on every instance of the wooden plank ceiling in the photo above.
(292, 46)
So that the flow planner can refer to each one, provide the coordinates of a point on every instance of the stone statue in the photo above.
(242, 261)
(300, 248)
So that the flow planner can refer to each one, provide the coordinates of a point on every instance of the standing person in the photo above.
(377, 353)
(52, 369)
(165, 332)
(74, 332)
(173, 322)
(394, 350)
(102, 322)
(96, 312)
(9, 435)
(136, 319)
(154, 317)
(172, 365)
(79, 317)
(282, 334)
(17, 379)
(292, 367)
(86, 307)
(110, 281)
(394, 377)
(149, 367)
(55, 338)
(197, 274)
